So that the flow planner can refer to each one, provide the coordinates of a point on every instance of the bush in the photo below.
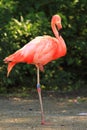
(19, 25)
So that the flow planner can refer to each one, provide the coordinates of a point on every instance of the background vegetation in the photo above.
(21, 21)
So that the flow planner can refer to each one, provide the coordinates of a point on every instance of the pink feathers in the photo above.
(40, 50)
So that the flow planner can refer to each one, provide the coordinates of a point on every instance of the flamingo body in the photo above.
(40, 51)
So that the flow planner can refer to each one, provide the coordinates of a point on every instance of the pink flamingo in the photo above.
(40, 51)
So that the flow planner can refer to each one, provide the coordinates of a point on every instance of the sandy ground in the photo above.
(24, 113)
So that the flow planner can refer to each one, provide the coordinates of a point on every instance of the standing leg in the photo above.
(40, 97)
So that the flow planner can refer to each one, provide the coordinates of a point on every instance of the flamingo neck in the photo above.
(55, 31)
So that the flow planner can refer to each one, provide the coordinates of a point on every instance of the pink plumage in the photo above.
(40, 50)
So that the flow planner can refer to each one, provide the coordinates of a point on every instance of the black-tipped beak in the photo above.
(60, 32)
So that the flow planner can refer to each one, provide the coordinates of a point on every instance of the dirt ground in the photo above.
(24, 113)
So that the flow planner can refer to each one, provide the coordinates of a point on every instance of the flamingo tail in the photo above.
(10, 66)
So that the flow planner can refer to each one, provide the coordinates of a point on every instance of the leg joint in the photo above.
(38, 85)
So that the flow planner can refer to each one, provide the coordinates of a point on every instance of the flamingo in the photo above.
(40, 51)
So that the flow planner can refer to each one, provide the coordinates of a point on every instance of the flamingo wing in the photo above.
(39, 51)
(45, 51)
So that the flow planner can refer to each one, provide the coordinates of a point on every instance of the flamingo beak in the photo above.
(59, 26)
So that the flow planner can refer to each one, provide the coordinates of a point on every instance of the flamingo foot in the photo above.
(45, 123)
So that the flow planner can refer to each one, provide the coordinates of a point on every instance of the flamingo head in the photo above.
(56, 19)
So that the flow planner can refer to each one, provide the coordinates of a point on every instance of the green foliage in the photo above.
(21, 21)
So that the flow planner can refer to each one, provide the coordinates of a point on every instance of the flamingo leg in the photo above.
(40, 97)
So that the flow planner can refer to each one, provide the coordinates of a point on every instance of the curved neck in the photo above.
(54, 29)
